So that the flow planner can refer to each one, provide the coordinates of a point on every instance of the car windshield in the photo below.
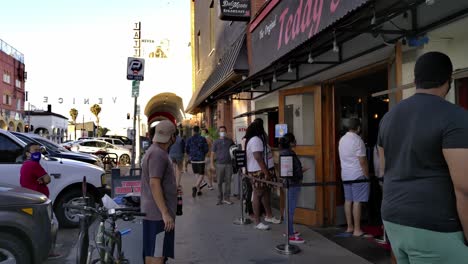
(51, 145)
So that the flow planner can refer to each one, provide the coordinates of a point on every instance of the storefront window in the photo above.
(461, 92)
(307, 195)
(299, 115)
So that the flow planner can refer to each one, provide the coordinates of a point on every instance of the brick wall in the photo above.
(15, 70)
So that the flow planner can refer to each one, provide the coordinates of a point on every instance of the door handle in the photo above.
(55, 175)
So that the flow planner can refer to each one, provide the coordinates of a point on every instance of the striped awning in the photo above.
(233, 63)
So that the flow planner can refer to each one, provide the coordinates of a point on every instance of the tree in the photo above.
(102, 131)
(96, 109)
(74, 115)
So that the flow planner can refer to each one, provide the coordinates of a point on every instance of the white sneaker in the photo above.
(273, 220)
(262, 226)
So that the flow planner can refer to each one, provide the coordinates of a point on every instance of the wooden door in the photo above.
(301, 110)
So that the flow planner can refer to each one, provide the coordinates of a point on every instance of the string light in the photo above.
(290, 68)
(373, 20)
(335, 44)
(261, 82)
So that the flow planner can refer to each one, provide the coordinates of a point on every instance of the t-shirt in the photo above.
(221, 149)
(196, 148)
(156, 164)
(255, 144)
(418, 190)
(350, 148)
(177, 150)
(29, 173)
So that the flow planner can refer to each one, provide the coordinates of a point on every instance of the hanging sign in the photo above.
(281, 130)
(234, 10)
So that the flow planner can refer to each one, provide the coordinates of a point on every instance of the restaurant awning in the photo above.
(233, 63)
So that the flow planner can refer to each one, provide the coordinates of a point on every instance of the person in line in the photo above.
(197, 148)
(34, 177)
(220, 151)
(260, 165)
(210, 171)
(354, 166)
(159, 196)
(176, 153)
(286, 143)
(425, 169)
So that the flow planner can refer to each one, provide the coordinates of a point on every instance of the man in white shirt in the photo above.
(354, 167)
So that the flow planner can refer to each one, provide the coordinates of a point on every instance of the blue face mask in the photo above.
(36, 156)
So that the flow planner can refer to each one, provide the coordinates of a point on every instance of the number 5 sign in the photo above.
(135, 69)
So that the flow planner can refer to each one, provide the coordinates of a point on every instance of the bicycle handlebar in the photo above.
(124, 212)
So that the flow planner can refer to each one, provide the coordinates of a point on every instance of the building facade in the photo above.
(12, 91)
(314, 64)
(48, 124)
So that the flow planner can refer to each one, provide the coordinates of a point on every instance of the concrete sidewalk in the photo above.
(205, 234)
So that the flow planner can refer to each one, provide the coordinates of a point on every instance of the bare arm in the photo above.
(44, 179)
(457, 161)
(212, 156)
(261, 162)
(381, 161)
(157, 191)
(364, 166)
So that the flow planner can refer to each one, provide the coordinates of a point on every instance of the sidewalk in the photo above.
(205, 234)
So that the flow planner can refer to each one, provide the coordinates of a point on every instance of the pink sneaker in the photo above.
(296, 240)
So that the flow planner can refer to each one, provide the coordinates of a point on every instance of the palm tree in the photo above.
(74, 115)
(96, 109)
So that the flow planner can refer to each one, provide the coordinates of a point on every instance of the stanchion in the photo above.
(287, 249)
(242, 220)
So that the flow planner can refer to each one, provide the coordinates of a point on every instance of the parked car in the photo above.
(69, 144)
(25, 225)
(57, 151)
(115, 141)
(124, 139)
(97, 146)
(66, 175)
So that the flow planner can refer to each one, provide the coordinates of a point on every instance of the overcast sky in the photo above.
(78, 50)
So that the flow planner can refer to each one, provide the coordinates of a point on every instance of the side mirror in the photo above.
(44, 150)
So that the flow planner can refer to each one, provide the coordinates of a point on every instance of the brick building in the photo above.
(12, 92)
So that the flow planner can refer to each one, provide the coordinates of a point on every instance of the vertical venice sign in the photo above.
(234, 10)
(290, 23)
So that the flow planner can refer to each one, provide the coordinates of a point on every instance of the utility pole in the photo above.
(134, 133)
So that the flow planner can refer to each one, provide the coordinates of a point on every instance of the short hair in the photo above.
(205, 130)
(258, 120)
(222, 127)
(354, 124)
(196, 129)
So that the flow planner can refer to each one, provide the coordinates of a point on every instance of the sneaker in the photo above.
(295, 234)
(219, 203)
(199, 193)
(262, 226)
(194, 192)
(210, 187)
(273, 220)
(54, 256)
(296, 240)
(227, 202)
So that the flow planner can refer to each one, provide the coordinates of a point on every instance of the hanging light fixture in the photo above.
(335, 44)
(430, 2)
(290, 68)
(274, 78)
(373, 20)
(251, 87)
(261, 82)
(244, 77)
(310, 60)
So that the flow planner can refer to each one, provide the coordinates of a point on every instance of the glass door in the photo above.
(301, 109)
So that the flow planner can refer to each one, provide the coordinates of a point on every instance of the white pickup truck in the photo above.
(66, 176)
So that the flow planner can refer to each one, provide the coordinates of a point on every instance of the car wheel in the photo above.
(124, 159)
(13, 250)
(68, 217)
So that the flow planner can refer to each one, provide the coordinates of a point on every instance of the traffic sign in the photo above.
(135, 69)
(135, 88)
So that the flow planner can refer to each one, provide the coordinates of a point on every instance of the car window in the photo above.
(100, 144)
(109, 146)
(11, 151)
(108, 140)
(47, 144)
(88, 144)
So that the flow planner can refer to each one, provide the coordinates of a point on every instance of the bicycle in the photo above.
(107, 239)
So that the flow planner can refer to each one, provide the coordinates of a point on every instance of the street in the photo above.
(205, 234)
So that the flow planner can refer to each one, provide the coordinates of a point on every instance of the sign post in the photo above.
(135, 72)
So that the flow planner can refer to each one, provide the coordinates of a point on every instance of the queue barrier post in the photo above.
(240, 160)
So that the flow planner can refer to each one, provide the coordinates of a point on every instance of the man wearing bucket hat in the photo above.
(159, 196)
(425, 169)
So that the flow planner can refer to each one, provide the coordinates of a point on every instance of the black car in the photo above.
(57, 151)
(26, 231)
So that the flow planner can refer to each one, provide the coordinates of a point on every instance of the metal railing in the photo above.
(9, 50)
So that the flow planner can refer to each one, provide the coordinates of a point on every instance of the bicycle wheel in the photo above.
(83, 246)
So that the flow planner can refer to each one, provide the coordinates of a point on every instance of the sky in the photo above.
(77, 50)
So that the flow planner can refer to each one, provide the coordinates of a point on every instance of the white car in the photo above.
(98, 146)
(67, 176)
(116, 142)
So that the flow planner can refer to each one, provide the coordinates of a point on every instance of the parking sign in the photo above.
(135, 69)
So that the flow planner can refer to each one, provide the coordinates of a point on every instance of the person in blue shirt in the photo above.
(176, 153)
(197, 148)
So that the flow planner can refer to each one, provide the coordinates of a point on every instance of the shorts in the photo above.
(357, 192)
(261, 175)
(156, 242)
(198, 168)
(179, 163)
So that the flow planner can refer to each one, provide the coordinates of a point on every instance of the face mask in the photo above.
(36, 156)
(222, 134)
